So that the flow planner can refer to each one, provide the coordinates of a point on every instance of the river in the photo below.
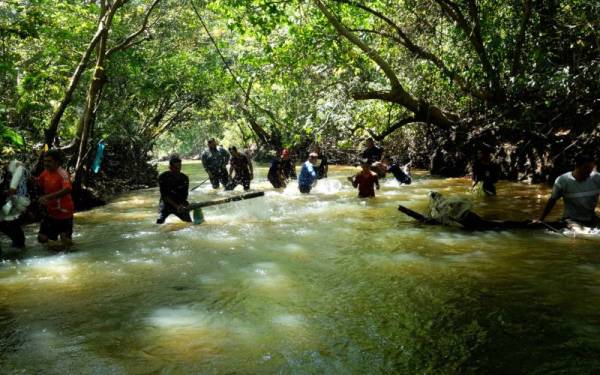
(307, 284)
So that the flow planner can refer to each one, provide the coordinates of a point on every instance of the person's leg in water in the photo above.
(51, 229)
(14, 231)
(214, 179)
(274, 180)
(304, 189)
(47, 231)
(163, 212)
(246, 182)
(223, 177)
(232, 184)
(66, 233)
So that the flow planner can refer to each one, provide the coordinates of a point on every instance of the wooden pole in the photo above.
(241, 197)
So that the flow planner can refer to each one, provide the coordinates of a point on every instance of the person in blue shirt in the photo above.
(308, 175)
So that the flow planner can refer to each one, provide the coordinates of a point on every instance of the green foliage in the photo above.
(10, 136)
(283, 77)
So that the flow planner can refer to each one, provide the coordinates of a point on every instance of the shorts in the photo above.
(52, 228)
(164, 210)
(243, 180)
(219, 176)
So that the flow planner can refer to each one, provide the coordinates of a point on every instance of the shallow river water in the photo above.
(304, 284)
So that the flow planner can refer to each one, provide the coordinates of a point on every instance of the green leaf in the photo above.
(10, 136)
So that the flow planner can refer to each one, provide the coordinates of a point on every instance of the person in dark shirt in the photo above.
(402, 175)
(372, 153)
(287, 165)
(486, 172)
(174, 187)
(323, 166)
(366, 180)
(275, 174)
(387, 165)
(240, 170)
(214, 160)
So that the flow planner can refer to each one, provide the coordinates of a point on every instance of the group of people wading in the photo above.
(55, 201)
(174, 185)
(579, 188)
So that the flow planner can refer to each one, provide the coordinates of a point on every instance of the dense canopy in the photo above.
(431, 79)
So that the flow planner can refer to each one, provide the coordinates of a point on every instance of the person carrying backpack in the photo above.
(14, 200)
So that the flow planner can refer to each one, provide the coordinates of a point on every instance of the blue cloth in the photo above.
(307, 174)
(98, 159)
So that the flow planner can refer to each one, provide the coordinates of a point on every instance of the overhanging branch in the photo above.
(130, 40)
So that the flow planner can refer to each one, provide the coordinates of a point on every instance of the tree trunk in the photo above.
(50, 133)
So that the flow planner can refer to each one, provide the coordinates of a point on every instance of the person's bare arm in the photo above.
(56, 195)
(548, 208)
(250, 167)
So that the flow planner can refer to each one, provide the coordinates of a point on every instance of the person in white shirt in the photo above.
(15, 199)
(579, 190)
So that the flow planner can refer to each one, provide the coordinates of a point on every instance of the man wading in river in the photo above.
(287, 165)
(240, 170)
(174, 187)
(366, 181)
(485, 171)
(215, 161)
(308, 175)
(579, 190)
(372, 153)
(323, 167)
(275, 174)
(386, 165)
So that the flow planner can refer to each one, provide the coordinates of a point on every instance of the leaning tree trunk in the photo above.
(50, 133)
(98, 81)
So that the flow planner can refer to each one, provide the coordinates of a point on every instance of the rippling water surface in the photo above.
(310, 284)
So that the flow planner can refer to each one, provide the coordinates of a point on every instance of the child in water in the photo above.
(366, 181)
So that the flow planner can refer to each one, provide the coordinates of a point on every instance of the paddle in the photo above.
(197, 207)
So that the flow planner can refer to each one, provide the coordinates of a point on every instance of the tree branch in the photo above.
(129, 41)
(473, 33)
(390, 129)
(103, 24)
(525, 17)
(371, 53)
(397, 94)
(428, 56)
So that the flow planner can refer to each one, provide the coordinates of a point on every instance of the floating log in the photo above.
(472, 221)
